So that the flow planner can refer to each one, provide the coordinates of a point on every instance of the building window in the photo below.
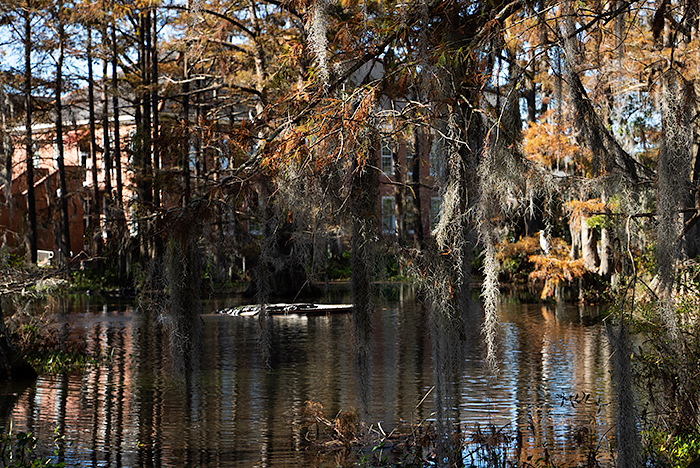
(255, 228)
(192, 156)
(36, 157)
(388, 215)
(410, 217)
(435, 163)
(133, 146)
(55, 155)
(410, 158)
(435, 206)
(133, 221)
(387, 160)
(84, 157)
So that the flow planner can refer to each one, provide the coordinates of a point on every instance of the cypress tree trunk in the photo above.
(629, 444)
(589, 251)
(199, 161)
(605, 249)
(142, 147)
(96, 236)
(363, 196)
(154, 106)
(575, 233)
(31, 201)
(65, 221)
(122, 235)
(605, 262)
(106, 145)
(6, 148)
(415, 188)
(186, 135)
(158, 243)
(147, 151)
(115, 115)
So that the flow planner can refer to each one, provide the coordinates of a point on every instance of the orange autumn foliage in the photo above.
(554, 271)
(581, 209)
(547, 144)
(524, 246)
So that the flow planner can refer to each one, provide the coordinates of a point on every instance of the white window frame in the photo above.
(388, 215)
(387, 159)
(410, 217)
(192, 156)
(255, 225)
(55, 154)
(435, 163)
(410, 159)
(132, 134)
(255, 228)
(36, 157)
(83, 156)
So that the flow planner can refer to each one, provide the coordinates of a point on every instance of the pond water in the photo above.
(235, 409)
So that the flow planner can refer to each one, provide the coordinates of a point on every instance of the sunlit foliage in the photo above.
(555, 272)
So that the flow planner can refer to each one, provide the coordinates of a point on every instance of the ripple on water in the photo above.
(227, 405)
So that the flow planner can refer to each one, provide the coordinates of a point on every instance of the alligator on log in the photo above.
(287, 309)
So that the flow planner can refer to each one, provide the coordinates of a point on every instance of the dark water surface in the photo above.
(233, 409)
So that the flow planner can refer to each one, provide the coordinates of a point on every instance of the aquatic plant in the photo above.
(18, 450)
(417, 444)
(43, 345)
(673, 451)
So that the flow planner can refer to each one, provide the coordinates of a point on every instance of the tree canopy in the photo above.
(575, 118)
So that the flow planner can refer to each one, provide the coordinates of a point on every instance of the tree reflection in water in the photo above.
(237, 410)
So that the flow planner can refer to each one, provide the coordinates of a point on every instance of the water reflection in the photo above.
(236, 410)
(556, 379)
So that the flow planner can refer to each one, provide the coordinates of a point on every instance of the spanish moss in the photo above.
(448, 262)
(268, 263)
(673, 176)
(318, 40)
(183, 272)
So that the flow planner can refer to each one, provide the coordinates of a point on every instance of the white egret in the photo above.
(544, 243)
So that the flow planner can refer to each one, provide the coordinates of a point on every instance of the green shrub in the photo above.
(339, 268)
(667, 451)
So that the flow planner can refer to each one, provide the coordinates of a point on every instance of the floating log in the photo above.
(287, 309)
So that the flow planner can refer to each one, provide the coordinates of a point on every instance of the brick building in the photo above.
(399, 155)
